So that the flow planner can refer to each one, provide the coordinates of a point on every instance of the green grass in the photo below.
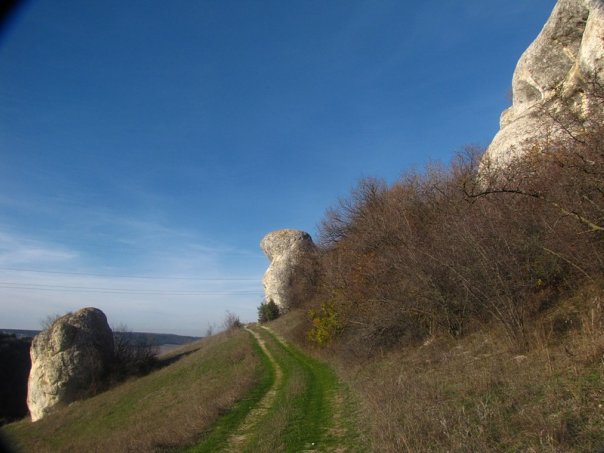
(307, 409)
(304, 413)
(226, 424)
(296, 419)
(210, 400)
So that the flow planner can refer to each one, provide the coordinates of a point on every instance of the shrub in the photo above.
(457, 246)
(134, 355)
(268, 311)
(325, 325)
(231, 321)
(210, 329)
(49, 320)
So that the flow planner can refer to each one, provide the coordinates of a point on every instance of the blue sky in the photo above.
(162, 140)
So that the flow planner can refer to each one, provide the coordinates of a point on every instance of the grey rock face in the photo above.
(289, 277)
(551, 75)
(68, 360)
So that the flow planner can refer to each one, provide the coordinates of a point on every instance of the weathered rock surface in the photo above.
(552, 75)
(289, 277)
(68, 360)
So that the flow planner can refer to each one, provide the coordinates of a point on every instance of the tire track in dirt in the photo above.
(305, 409)
(241, 435)
(333, 398)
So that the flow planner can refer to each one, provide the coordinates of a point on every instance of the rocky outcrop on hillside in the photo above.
(69, 360)
(555, 74)
(290, 275)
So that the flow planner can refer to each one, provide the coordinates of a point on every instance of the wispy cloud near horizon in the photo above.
(180, 284)
(17, 250)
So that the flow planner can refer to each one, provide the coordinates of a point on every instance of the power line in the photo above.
(147, 277)
(151, 292)
(46, 285)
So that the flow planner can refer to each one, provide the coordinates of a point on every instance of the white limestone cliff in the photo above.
(289, 276)
(553, 74)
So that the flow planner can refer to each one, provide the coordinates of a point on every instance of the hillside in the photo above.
(167, 408)
(474, 393)
(448, 394)
(243, 390)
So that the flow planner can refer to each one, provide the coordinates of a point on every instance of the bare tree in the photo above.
(231, 321)
(134, 354)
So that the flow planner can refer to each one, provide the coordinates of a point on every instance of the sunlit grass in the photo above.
(305, 413)
(476, 394)
(220, 432)
(169, 408)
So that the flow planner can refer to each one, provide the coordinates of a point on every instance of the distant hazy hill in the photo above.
(20, 333)
(155, 339)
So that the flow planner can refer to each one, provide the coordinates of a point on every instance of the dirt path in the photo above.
(305, 409)
(242, 434)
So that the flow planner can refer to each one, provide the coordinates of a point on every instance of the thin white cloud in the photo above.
(92, 254)
(181, 287)
(17, 250)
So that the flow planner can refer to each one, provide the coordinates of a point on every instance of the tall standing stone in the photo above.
(290, 276)
(69, 360)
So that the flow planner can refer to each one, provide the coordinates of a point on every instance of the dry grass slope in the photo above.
(476, 394)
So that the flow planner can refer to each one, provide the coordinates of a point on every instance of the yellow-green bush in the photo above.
(325, 325)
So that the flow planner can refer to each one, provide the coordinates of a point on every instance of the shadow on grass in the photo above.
(166, 361)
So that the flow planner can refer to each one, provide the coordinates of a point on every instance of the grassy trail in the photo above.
(302, 407)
